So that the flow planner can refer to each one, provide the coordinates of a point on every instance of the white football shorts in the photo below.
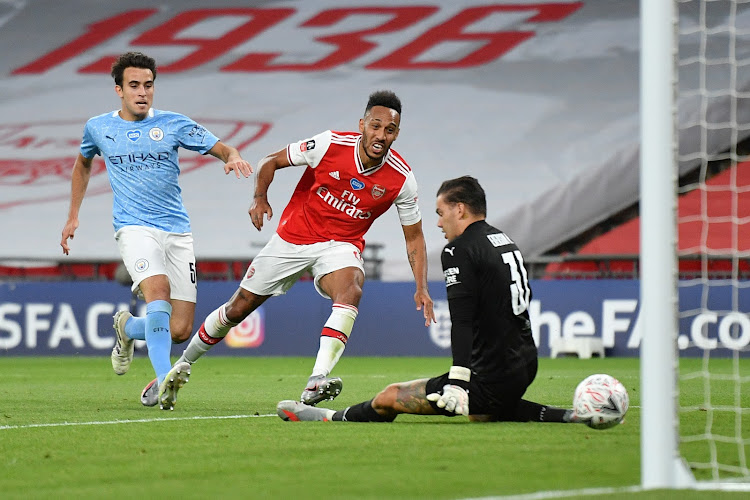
(280, 264)
(147, 252)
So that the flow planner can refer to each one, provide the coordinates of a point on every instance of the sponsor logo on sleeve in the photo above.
(198, 131)
(307, 146)
(451, 276)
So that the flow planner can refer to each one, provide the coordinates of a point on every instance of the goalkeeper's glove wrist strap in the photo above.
(460, 376)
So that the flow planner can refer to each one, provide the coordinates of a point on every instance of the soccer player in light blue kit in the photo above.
(139, 145)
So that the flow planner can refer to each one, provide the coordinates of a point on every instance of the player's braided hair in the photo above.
(132, 60)
(465, 190)
(384, 98)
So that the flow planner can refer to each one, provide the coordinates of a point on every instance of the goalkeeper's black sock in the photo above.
(528, 411)
(362, 412)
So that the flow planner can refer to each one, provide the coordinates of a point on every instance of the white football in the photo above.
(601, 401)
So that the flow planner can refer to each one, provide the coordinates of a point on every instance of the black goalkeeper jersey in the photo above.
(488, 295)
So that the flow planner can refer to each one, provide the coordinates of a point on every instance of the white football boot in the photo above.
(122, 352)
(173, 382)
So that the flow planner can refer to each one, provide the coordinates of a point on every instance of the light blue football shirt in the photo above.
(142, 165)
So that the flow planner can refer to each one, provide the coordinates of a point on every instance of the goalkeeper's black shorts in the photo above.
(497, 398)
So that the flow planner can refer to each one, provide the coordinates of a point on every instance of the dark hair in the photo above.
(384, 98)
(465, 190)
(132, 60)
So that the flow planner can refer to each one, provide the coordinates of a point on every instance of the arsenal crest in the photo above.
(377, 191)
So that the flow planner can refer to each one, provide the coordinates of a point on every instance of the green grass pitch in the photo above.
(71, 428)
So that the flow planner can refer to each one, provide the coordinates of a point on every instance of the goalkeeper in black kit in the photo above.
(494, 355)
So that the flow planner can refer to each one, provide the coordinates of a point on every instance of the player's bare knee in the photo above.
(356, 293)
(181, 329)
(180, 335)
(386, 399)
(242, 304)
(235, 311)
(351, 294)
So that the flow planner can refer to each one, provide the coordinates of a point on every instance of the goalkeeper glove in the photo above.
(455, 397)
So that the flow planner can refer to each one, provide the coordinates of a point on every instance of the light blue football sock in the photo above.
(158, 337)
(135, 328)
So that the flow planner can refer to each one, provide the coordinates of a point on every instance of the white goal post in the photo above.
(719, 121)
(661, 466)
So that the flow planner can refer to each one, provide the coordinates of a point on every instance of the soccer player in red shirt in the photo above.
(350, 179)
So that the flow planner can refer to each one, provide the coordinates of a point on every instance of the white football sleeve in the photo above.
(309, 151)
(407, 202)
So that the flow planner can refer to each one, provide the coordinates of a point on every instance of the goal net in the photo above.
(695, 244)
(713, 246)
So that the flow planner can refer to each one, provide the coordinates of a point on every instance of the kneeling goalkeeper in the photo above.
(494, 355)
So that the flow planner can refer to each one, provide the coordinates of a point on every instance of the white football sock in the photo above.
(214, 328)
(333, 338)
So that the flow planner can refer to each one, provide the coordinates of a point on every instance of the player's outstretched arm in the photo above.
(266, 170)
(232, 159)
(78, 185)
(416, 252)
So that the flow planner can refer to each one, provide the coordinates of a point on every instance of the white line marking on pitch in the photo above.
(542, 495)
(727, 485)
(137, 421)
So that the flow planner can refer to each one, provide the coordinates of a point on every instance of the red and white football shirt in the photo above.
(337, 198)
